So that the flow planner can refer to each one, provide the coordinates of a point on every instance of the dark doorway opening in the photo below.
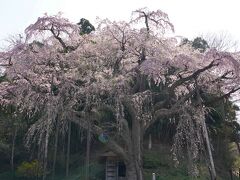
(121, 169)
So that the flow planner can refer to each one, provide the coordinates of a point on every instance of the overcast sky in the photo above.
(190, 17)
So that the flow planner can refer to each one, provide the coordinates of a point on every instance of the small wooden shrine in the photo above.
(115, 168)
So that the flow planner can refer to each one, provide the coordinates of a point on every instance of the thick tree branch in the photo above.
(58, 38)
(219, 98)
(111, 144)
(65, 47)
(224, 76)
(9, 59)
(192, 76)
(4, 65)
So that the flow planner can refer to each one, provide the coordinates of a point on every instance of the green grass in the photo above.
(7, 176)
(96, 172)
(160, 162)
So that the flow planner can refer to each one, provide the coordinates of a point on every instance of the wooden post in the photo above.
(153, 176)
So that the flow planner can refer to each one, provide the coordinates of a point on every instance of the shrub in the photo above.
(30, 169)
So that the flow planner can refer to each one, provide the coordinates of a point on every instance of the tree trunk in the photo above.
(150, 141)
(231, 174)
(206, 137)
(132, 171)
(238, 147)
(88, 151)
(210, 172)
(55, 150)
(137, 137)
(139, 169)
(68, 148)
(239, 173)
(46, 152)
(39, 160)
(13, 148)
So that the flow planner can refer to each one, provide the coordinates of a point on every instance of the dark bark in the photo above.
(56, 34)
(210, 172)
(88, 151)
(209, 151)
(55, 149)
(206, 136)
(238, 147)
(191, 77)
(142, 56)
(134, 170)
(239, 173)
(58, 38)
(132, 151)
(131, 171)
(116, 67)
(68, 148)
(135, 148)
(231, 174)
(45, 158)
(39, 159)
(220, 98)
(13, 148)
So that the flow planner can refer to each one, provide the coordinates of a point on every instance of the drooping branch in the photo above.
(161, 112)
(157, 18)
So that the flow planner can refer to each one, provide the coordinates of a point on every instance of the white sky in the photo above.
(190, 17)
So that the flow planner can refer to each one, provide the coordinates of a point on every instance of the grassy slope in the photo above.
(157, 160)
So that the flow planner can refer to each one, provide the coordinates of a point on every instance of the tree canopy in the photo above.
(130, 69)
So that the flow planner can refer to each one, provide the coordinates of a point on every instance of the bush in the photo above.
(154, 160)
(30, 169)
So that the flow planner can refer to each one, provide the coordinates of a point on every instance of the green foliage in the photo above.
(4, 147)
(236, 163)
(9, 175)
(160, 162)
(198, 43)
(153, 160)
(96, 172)
(233, 156)
(85, 26)
(30, 169)
(3, 78)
